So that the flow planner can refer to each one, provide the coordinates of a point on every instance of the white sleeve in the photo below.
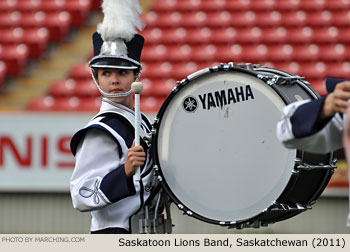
(96, 156)
(328, 139)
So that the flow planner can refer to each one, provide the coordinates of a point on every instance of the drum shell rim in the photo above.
(158, 120)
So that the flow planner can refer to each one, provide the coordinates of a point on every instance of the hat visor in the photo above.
(113, 62)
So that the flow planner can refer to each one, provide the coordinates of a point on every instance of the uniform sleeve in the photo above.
(299, 128)
(99, 177)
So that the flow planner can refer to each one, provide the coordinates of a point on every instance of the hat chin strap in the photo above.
(112, 95)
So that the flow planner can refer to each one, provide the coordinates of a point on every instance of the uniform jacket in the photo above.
(99, 183)
(300, 129)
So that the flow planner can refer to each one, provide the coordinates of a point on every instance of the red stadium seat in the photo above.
(54, 5)
(288, 5)
(153, 35)
(214, 5)
(307, 53)
(313, 70)
(341, 18)
(86, 88)
(182, 70)
(80, 72)
(244, 19)
(147, 86)
(173, 19)
(180, 53)
(66, 104)
(162, 88)
(58, 24)
(79, 11)
(150, 104)
(33, 19)
(337, 52)
(15, 58)
(8, 6)
(155, 53)
(204, 53)
(35, 38)
(193, 19)
(318, 85)
(273, 18)
(29, 5)
(263, 5)
(228, 35)
(228, 53)
(339, 69)
(240, 5)
(298, 18)
(219, 19)
(200, 35)
(41, 104)
(157, 70)
(327, 35)
(320, 18)
(250, 35)
(281, 52)
(176, 35)
(344, 35)
(253, 53)
(12, 19)
(150, 19)
(189, 5)
(164, 5)
(2, 74)
(91, 104)
(300, 35)
(64, 88)
(311, 5)
(337, 4)
(276, 35)
(290, 67)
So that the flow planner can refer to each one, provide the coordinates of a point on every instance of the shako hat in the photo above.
(116, 42)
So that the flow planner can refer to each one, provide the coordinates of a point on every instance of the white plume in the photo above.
(121, 20)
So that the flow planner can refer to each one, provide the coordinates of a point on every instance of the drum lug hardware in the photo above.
(180, 206)
(182, 82)
(189, 213)
(174, 90)
(160, 179)
(148, 138)
(298, 161)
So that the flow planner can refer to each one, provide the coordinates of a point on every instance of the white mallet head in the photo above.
(136, 87)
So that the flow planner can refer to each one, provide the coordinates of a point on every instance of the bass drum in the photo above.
(216, 151)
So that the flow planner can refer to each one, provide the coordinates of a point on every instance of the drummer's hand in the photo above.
(136, 157)
(336, 101)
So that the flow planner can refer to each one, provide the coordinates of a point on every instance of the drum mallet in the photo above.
(137, 87)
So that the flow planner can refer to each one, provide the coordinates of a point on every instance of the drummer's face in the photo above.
(117, 80)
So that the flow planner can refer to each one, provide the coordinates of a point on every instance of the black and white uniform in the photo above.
(99, 183)
(299, 128)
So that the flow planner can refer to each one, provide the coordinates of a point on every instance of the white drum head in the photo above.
(224, 162)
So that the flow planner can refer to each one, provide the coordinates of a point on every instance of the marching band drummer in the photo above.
(106, 158)
(317, 126)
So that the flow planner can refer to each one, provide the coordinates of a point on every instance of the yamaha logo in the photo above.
(190, 104)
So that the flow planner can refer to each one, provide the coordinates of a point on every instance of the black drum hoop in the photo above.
(254, 70)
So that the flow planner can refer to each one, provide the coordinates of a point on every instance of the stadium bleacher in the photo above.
(309, 38)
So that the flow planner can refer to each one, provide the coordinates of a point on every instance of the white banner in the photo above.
(34, 150)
